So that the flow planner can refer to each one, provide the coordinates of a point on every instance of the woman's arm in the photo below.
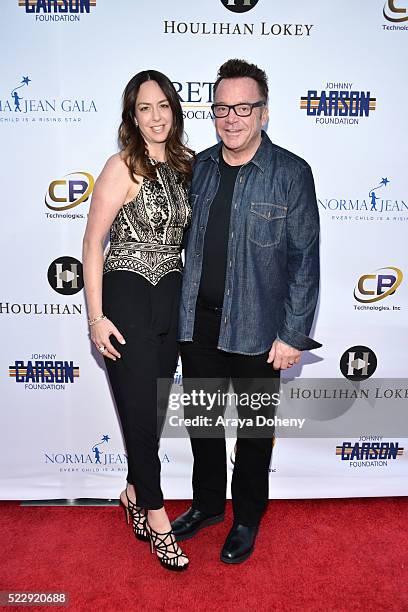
(110, 193)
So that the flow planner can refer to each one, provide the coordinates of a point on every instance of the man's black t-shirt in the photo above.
(216, 238)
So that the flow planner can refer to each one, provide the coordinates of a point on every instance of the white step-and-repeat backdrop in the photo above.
(338, 94)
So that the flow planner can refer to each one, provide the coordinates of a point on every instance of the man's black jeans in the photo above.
(201, 359)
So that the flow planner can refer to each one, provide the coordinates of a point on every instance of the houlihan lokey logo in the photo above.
(65, 275)
(358, 363)
(239, 6)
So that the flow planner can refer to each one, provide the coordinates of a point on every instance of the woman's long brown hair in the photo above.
(133, 146)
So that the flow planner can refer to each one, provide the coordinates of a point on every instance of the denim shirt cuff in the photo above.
(299, 341)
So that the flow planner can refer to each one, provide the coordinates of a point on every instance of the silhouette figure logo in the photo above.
(16, 98)
(384, 182)
(97, 451)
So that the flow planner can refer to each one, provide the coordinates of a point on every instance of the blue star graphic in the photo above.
(105, 438)
(25, 80)
(384, 182)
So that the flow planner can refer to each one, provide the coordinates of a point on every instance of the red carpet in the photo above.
(311, 555)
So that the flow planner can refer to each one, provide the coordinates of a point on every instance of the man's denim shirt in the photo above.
(272, 276)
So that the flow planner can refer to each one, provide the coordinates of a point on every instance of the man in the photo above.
(249, 291)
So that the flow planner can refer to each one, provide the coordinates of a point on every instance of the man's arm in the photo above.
(303, 263)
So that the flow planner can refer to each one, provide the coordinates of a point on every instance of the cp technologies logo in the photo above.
(20, 107)
(43, 371)
(358, 363)
(338, 104)
(239, 6)
(196, 98)
(370, 451)
(57, 10)
(68, 192)
(65, 275)
(378, 208)
(395, 15)
(377, 286)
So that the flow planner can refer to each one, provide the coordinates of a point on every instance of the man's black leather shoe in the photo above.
(239, 544)
(188, 524)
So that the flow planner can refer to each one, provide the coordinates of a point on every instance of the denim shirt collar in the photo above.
(261, 159)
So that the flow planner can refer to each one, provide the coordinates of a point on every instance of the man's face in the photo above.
(240, 134)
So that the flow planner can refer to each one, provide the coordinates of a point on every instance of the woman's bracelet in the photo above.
(96, 319)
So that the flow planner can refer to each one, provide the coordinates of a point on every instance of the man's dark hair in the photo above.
(236, 68)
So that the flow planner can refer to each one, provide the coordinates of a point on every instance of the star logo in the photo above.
(26, 80)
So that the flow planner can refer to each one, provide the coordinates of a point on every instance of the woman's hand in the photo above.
(100, 336)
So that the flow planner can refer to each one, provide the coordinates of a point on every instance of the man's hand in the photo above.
(282, 356)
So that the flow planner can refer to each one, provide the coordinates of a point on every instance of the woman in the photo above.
(133, 296)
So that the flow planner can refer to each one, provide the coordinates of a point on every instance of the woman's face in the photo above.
(153, 113)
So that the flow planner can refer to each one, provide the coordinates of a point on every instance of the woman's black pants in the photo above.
(147, 316)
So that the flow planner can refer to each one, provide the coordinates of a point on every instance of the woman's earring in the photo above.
(136, 123)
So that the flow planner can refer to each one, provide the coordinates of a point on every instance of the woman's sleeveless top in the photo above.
(146, 235)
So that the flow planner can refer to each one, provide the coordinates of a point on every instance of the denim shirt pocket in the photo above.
(266, 223)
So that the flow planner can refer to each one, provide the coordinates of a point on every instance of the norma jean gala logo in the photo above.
(21, 105)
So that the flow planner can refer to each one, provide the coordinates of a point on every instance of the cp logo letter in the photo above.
(70, 191)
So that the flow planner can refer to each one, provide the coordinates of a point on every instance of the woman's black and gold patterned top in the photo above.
(146, 235)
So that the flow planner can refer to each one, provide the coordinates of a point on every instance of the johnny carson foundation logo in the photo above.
(379, 203)
(338, 104)
(65, 275)
(369, 451)
(44, 371)
(57, 10)
(396, 13)
(25, 105)
(66, 193)
(377, 286)
(358, 363)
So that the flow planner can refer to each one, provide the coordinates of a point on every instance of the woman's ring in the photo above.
(101, 349)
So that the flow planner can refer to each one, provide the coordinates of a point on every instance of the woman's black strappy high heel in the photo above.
(168, 552)
(138, 518)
